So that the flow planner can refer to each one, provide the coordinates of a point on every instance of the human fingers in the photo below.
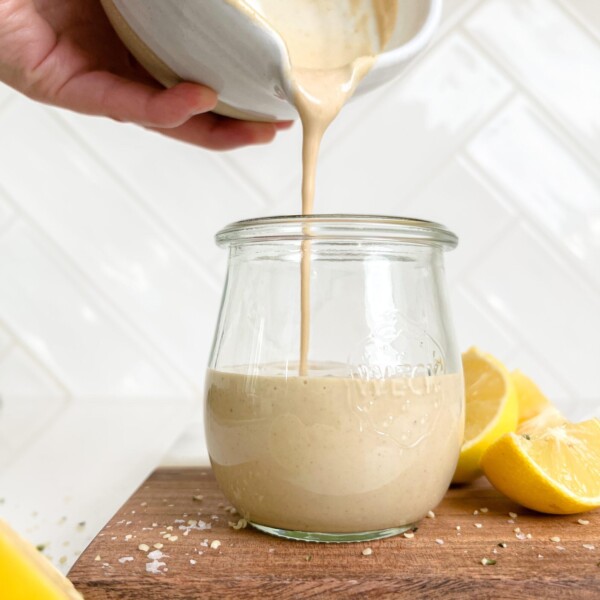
(106, 94)
(221, 133)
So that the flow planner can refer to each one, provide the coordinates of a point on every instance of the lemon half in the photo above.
(492, 409)
(553, 470)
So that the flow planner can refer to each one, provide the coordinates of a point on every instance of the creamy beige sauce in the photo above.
(333, 454)
(332, 44)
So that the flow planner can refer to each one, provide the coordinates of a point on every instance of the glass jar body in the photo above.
(364, 443)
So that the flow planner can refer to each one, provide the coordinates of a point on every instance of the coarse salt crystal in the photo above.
(589, 546)
(215, 544)
(475, 512)
(173, 538)
(483, 510)
(367, 552)
(559, 547)
(409, 535)
(128, 537)
(555, 539)
(144, 547)
(458, 528)
(158, 545)
(478, 525)
(521, 536)
(156, 555)
(583, 521)
(528, 536)
(198, 498)
(513, 515)
(125, 559)
(517, 530)
(98, 557)
(192, 561)
(439, 541)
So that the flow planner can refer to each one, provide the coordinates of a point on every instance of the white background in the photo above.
(110, 279)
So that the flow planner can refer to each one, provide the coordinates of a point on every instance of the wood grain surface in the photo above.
(250, 564)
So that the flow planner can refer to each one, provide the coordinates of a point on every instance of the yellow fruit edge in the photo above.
(469, 468)
(532, 401)
(25, 574)
(507, 466)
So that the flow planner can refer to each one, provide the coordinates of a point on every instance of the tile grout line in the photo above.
(533, 99)
(460, 148)
(165, 230)
(575, 17)
(475, 298)
(19, 342)
(112, 310)
(565, 259)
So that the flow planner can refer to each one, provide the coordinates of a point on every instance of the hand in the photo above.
(65, 53)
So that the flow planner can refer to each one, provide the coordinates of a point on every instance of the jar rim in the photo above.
(338, 227)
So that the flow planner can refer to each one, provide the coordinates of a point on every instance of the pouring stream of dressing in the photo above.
(332, 45)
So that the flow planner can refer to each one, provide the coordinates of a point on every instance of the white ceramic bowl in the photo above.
(211, 42)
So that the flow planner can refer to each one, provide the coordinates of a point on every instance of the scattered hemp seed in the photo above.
(517, 530)
(483, 510)
(173, 538)
(528, 536)
(128, 537)
(583, 521)
(513, 515)
(431, 515)
(589, 546)
(198, 498)
(475, 512)
(555, 539)
(439, 541)
(215, 544)
(487, 561)
(241, 524)
(158, 546)
(81, 526)
(458, 528)
(308, 557)
(367, 552)
(98, 558)
(526, 436)
(40, 547)
(478, 525)
(503, 545)
(62, 560)
(409, 535)
(144, 547)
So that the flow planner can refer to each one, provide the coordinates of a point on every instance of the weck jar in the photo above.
(362, 441)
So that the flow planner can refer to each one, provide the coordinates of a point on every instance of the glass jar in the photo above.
(364, 442)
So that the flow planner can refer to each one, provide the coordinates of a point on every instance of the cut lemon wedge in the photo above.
(25, 574)
(491, 410)
(556, 470)
(549, 417)
(531, 399)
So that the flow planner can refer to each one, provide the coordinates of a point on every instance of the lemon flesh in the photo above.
(492, 410)
(555, 470)
(25, 574)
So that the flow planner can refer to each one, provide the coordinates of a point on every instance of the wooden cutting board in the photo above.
(440, 560)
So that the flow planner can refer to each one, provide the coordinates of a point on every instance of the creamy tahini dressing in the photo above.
(332, 45)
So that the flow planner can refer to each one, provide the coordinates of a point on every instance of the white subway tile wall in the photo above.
(110, 279)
